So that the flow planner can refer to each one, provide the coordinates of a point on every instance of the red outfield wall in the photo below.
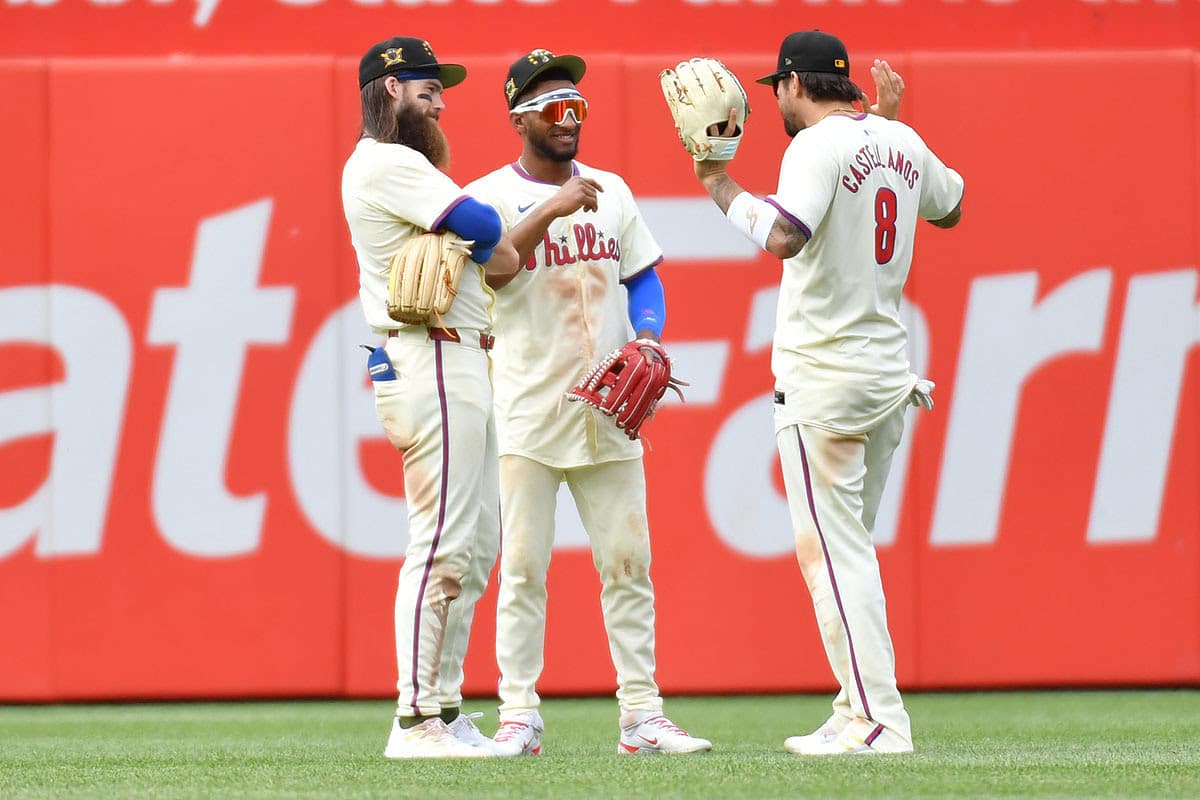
(342, 27)
(195, 499)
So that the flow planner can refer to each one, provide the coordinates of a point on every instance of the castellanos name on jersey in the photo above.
(858, 185)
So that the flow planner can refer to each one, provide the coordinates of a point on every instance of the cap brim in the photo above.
(451, 74)
(768, 80)
(572, 64)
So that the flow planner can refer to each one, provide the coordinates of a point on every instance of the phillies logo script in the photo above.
(590, 245)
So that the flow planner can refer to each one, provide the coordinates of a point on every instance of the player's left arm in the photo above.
(942, 192)
(647, 304)
(640, 254)
(889, 89)
(950, 220)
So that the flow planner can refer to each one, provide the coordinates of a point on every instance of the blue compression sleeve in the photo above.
(472, 219)
(647, 302)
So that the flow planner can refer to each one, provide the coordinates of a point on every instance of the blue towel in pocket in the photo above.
(379, 366)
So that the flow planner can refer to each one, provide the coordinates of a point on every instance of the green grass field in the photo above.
(1019, 744)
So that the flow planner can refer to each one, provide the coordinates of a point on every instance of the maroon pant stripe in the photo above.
(874, 735)
(812, 507)
(437, 536)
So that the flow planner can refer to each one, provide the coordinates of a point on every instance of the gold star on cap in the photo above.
(392, 56)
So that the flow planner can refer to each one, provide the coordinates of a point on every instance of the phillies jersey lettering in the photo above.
(590, 245)
(562, 314)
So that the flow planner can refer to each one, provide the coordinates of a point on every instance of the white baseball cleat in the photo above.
(651, 732)
(825, 734)
(464, 729)
(519, 735)
(429, 739)
(878, 741)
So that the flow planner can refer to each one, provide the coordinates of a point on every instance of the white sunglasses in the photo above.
(555, 106)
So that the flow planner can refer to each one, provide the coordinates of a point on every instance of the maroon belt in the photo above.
(486, 340)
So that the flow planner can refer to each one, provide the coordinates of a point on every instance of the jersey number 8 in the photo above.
(886, 212)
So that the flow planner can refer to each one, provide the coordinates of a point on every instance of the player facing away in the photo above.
(851, 188)
(433, 394)
(580, 236)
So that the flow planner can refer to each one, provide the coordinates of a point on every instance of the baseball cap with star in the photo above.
(528, 67)
(809, 51)
(408, 58)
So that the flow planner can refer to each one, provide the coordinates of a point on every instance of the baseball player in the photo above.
(433, 394)
(843, 219)
(580, 237)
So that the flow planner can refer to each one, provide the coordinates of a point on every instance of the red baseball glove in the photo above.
(628, 383)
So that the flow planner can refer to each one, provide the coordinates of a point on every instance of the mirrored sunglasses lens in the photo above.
(557, 111)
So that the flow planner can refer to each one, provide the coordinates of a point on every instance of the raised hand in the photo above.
(889, 88)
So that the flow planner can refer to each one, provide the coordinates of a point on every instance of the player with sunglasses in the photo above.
(556, 106)
(581, 237)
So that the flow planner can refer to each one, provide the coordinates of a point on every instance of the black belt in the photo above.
(778, 397)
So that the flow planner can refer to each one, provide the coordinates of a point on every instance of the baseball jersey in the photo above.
(855, 186)
(561, 314)
(391, 193)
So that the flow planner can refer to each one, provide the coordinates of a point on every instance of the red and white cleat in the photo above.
(651, 732)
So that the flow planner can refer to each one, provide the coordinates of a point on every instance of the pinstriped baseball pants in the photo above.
(834, 483)
(439, 414)
(611, 499)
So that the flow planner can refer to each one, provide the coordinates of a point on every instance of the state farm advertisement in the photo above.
(196, 498)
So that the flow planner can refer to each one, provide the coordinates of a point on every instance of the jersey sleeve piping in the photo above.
(791, 218)
(651, 265)
(437, 223)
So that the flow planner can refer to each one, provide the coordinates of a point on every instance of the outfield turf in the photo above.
(1019, 744)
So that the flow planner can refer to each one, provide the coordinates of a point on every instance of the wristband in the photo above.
(753, 217)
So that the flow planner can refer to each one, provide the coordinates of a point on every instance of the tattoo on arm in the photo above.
(722, 189)
(786, 240)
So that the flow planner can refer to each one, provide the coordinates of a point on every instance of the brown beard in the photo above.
(422, 133)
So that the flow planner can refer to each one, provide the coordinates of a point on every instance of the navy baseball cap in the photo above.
(809, 51)
(525, 70)
(408, 58)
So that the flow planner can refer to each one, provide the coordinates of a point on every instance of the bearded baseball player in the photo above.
(433, 394)
(580, 237)
(851, 188)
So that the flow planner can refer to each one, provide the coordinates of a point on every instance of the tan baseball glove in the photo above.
(423, 277)
(700, 92)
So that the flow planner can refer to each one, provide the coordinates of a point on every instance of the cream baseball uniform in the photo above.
(554, 321)
(438, 413)
(856, 186)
